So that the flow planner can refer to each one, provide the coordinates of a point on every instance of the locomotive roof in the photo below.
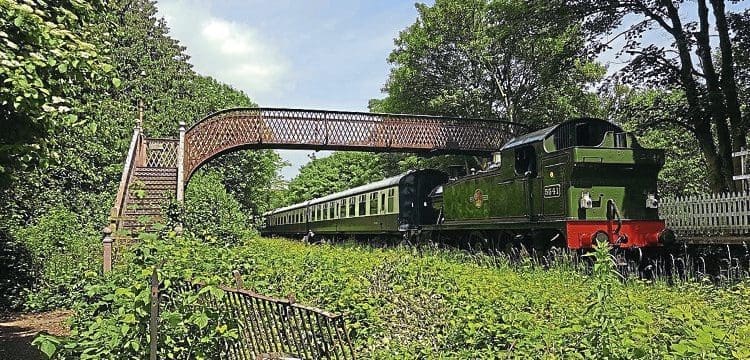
(541, 134)
(387, 182)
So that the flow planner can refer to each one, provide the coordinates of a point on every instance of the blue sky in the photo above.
(302, 54)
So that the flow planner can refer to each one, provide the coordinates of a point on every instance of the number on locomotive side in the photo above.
(552, 191)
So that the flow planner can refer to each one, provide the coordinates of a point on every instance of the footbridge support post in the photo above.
(181, 165)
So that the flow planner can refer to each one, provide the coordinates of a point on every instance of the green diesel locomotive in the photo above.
(572, 184)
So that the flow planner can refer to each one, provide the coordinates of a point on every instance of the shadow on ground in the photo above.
(18, 331)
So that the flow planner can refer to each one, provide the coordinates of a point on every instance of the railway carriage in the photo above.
(394, 206)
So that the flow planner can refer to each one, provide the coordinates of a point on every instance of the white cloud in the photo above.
(231, 52)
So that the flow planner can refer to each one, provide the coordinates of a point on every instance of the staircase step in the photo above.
(155, 170)
(144, 208)
(157, 181)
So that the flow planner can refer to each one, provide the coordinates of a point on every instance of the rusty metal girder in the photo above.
(338, 130)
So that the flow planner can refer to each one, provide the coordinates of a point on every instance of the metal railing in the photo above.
(269, 328)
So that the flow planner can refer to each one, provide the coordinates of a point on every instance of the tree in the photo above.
(707, 79)
(44, 58)
(492, 59)
(148, 65)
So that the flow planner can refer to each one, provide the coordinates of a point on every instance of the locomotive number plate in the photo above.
(552, 191)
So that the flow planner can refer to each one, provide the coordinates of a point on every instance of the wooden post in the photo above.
(107, 244)
(237, 279)
(154, 321)
(181, 165)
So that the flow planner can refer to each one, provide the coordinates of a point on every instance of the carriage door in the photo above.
(553, 186)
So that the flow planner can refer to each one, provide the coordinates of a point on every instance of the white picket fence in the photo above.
(709, 214)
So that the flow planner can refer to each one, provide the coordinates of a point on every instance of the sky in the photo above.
(313, 54)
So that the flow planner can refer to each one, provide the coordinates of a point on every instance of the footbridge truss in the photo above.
(157, 169)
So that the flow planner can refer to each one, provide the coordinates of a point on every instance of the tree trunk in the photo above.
(728, 80)
(715, 96)
(698, 118)
(729, 84)
(715, 174)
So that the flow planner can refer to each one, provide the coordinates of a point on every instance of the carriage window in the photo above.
(391, 200)
(362, 203)
(374, 203)
(325, 211)
(351, 206)
(330, 210)
(526, 161)
(382, 202)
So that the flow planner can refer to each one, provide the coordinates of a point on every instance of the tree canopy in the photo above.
(492, 59)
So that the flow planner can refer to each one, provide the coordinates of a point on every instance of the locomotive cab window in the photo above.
(525, 161)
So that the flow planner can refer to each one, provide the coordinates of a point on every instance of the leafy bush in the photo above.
(211, 212)
(61, 250)
(407, 304)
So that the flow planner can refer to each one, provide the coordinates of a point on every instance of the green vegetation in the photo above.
(212, 213)
(402, 303)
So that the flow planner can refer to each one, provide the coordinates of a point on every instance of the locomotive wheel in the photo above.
(478, 241)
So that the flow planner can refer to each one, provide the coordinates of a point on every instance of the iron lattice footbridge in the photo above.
(157, 169)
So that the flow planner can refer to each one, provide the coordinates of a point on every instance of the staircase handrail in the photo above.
(127, 171)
